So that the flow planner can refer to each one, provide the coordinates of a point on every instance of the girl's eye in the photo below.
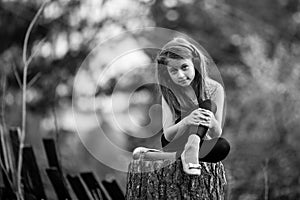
(184, 67)
(173, 71)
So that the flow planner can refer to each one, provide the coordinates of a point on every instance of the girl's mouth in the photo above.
(183, 80)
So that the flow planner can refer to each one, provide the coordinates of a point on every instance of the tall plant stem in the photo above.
(26, 62)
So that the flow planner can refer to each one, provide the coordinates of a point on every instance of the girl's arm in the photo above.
(171, 130)
(215, 129)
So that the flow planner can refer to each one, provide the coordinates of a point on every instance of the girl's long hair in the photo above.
(180, 48)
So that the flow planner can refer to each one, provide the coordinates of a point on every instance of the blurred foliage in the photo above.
(256, 45)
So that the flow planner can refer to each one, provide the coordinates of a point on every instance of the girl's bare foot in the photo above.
(189, 156)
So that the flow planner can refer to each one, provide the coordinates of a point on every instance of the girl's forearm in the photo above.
(215, 130)
(178, 129)
(175, 130)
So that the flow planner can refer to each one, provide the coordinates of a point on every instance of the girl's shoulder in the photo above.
(211, 87)
(210, 83)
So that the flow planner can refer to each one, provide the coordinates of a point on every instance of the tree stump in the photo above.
(165, 179)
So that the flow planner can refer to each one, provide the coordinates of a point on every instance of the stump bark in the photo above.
(165, 179)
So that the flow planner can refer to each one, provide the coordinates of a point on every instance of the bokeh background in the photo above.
(255, 44)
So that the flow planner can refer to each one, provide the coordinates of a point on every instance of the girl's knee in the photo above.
(194, 138)
(224, 145)
(208, 105)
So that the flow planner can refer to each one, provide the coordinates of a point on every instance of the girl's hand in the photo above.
(200, 116)
(193, 119)
(207, 118)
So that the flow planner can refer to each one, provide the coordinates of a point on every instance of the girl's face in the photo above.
(181, 71)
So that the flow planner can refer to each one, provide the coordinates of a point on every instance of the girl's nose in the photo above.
(180, 74)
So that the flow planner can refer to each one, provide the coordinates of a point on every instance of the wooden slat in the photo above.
(7, 191)
(93, 186)
(15, 143)
(114, 190)
(2, 192)
(2, 178)
(51, 153)
(7, 194)
(31, 175)
(3, 150)
(78, 187)
(58, 184)
(2, 174)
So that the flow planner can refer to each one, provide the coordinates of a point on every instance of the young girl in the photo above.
(192, 105)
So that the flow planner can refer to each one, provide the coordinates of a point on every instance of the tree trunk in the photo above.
(165, 179)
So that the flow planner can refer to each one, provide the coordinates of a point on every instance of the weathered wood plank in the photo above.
(94, 187)
(31, 175)
(15, 143)
(113, 190)
(58, 183)
(1, 192)
(78, 187)
(50, 149)
(7, 194)
(3, 150)
(2, 178)
(6, 189)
